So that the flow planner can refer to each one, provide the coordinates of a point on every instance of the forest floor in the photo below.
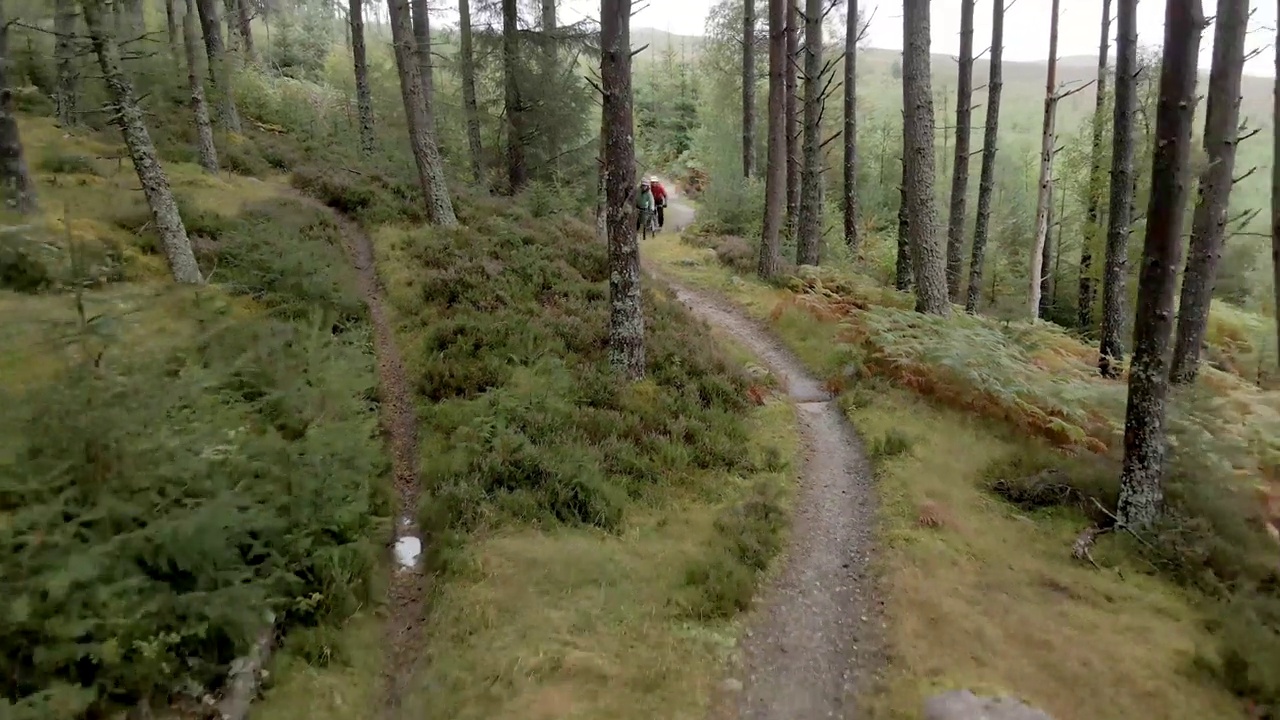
(975, 592)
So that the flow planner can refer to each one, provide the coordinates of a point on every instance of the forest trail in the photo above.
(813, 639)
(407, 590)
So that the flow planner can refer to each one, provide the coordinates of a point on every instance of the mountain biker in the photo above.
(644, 202)
(659, 198)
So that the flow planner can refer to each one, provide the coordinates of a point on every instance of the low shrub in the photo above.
(894, 443)
(59, 162)
(162, 510)
(366, 196)
(748, 536)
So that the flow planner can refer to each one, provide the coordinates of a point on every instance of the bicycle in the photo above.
(648, 224)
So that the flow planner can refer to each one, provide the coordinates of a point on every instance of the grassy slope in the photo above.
(990, 598)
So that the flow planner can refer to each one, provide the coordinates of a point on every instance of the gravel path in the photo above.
(813, 640)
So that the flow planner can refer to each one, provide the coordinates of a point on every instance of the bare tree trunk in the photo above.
(1275, 195)
(809, 230)
(233, 30)
(902, 263)
(64, 50)
(422, 140)
(219, 77)
(364, 96)
(422, 42)
(775, 178)
(204, 128)
(1093, 211)
(748, 88)
(517, 172)
(170, 24)
(1046, 259)
(850, 199)
(155, 185)
(626, 315)
(793, 115)
(987, 176)
(19, 190)
(1045, 196)
(960, 165)
(927, 258)
(469, 108)
(1209, 224)
(245, 20)
(1120, 203)
(1141, 495)
(602, 185)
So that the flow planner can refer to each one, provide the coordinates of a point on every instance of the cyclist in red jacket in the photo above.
(659, 198)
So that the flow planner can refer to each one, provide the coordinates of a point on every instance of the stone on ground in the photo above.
(964, 705)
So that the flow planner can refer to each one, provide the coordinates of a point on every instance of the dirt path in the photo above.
(406, 596)
(813, 639)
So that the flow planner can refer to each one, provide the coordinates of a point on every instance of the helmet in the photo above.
(653, 178)
(644, 183)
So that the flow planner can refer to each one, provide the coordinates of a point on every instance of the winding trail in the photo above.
(813, 640)
(408, 587)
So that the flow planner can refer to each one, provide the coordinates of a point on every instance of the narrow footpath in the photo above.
(813, 639)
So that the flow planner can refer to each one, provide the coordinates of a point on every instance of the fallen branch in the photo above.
(243, 680)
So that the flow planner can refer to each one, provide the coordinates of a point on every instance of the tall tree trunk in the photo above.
(422, 52)
(1045, 196)
(64, 51)
(1120, 203)
(1144, 433)
(421, 138)
(1093, 212)
(775, 177)
(987, 176)
(748, 88)
(469, 108)
(19, 191)
(626, 315)
(960, 165)
(1209, 224)
(809, 235)
(364, 97)
(927, 258)
(602, 185)
(234, 43)
(1275, 195)
(793, 115)
(902, 262)
(219, 75)
(1046, 259)
(517, 172)
(171, 26)
(245, 20)
(199, 109)
(128, 117)
(850, 198)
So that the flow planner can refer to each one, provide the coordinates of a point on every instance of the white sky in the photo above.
(1026, 25)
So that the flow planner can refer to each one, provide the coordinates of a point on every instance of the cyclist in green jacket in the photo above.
(644, 202)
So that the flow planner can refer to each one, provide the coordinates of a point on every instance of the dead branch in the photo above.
(1062, 96)
(1247, 173)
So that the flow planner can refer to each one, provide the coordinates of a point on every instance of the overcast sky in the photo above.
(1026, 25)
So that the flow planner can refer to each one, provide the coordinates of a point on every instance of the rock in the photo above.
(964, 705)
(731, 685)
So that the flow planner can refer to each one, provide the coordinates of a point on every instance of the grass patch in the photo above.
(963, 609)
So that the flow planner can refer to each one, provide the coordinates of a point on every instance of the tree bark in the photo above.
(902, 263)
(19, 190)
(927, 258)
(422, 52)
(422, 140)
(1045, 196)
(1144, 433)
(850, 198)
(1120, 203)
(517, 171)
(748, 88)
(793, 115)
(1275, 196)
(128, 117)
(809, 230)
(775, 180)
(64, 51)
(245, 20)
(626, 315)
(469, 107)
(171, 26)
(1209, 224)
(1093, 211)
(960, 165)
(219, 76)
(204, 127)
(987, 175)
(364, 96)
(1046, 259)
